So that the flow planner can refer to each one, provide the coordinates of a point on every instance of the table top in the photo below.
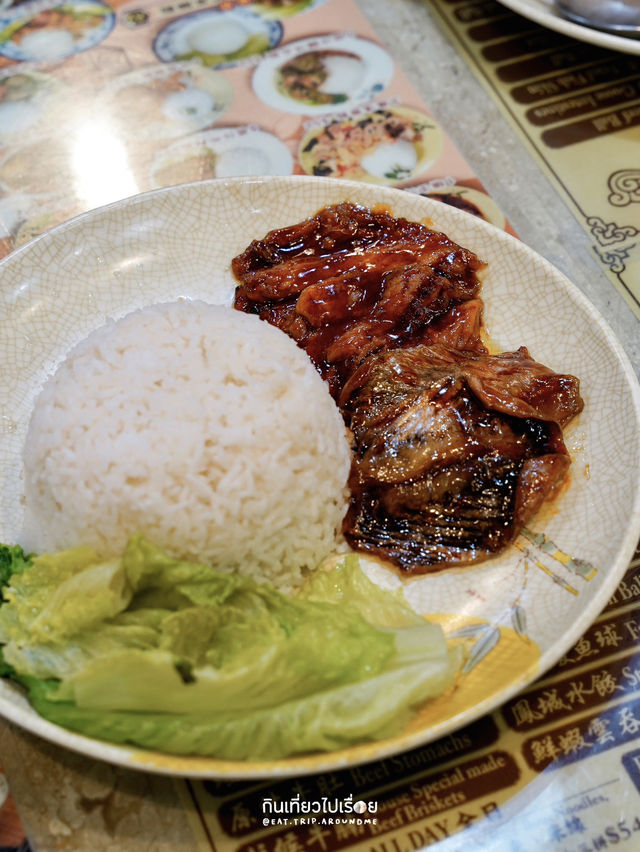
(527, 799)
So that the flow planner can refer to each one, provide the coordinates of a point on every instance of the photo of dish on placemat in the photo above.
(323, 73)
(42, 218)
(40, 168)
(15, 208)
(284, 8)
(222, 152)
(376, 143)
(26, 100)
(167, 100)
(466, 198)
(46, 32)
(218, 38)
(22, 218)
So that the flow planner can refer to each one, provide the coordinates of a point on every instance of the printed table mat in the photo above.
(578, 109)
(142, 95)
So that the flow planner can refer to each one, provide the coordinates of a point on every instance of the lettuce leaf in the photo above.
(163, 653)
(324, 721)
(13, 560)
(347, 585)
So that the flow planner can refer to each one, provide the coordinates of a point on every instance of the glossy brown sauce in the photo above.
(351, 281)
(454, 449)
(449, 459)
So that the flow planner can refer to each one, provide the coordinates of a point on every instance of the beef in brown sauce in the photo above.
(352, 281)
(453, 451)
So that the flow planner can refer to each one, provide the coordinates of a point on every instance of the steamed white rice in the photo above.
(203, 428)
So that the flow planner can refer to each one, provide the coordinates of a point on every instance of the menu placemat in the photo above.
(99, 102)
(578, 109)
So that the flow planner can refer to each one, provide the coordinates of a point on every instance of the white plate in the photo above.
(179, 242)
(543, 12)
(219, 38)
(368, 72)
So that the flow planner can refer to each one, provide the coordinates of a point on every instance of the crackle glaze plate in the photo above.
(515, 614)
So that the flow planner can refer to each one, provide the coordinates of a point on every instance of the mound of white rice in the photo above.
(203, 428)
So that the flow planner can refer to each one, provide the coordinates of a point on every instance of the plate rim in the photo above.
(203, 767)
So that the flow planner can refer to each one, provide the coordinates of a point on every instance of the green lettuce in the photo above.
(13, 560)
(166, 654)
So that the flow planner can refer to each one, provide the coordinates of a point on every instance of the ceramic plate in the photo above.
(543, 12)
(218, 38)
(516, 614)
(378, 143)
(323, 74)
(50, 31)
